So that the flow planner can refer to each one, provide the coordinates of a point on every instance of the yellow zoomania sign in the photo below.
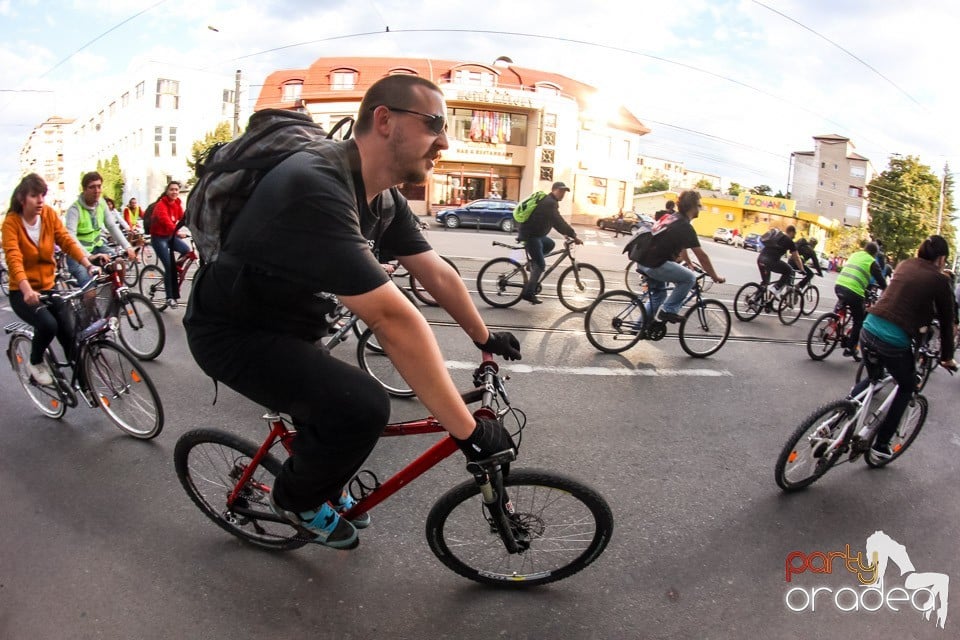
(767, 203)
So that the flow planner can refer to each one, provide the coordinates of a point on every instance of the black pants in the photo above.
(898, 361)
(339, 411)
(807, 277)
(48, 321)
(858, 311)
(766, 265)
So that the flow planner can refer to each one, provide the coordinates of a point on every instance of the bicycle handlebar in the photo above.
(50, 296)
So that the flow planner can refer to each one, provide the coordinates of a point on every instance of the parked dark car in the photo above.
(490, 213)
(627, 225)
(752, 242)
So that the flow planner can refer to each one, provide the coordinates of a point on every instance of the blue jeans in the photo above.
(537, 248)
(77, 270)
(657, 279)
(163, 246)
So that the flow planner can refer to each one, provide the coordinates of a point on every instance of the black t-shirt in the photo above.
(776, 250)
(671, 235)
(306, 232)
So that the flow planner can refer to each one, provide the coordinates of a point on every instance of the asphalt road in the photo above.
(98, 540)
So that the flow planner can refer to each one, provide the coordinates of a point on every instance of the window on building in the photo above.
(480, 125)
(547, 87)
(855, 192)
(853, 213)
(168, 94)
(473, 78)
(157, 140)
(546, 174)
(598, 191)
(823, 165)
(550, 120)
(125, 99)
(292, 91)
(857, 172)
(835, 167)
(229, 95)
(172, 137)
(139, 90)
(343, 80)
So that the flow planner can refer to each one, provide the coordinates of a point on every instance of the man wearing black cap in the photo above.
(534, 232)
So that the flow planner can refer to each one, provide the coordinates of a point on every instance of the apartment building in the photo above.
(150, 123)
(512, 130)
(832, 180)
(43, 154)
(674, 171)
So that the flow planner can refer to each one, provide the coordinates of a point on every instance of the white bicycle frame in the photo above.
(864, 430)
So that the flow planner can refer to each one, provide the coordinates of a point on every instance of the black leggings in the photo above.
(899, 363)
(339, 410)
(766, 265)
(48, 321)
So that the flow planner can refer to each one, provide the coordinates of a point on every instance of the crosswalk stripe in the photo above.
(599, 371)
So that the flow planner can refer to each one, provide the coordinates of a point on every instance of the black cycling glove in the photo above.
(503, 344)
(487, 439)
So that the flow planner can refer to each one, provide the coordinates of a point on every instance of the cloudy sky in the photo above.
(729, 87)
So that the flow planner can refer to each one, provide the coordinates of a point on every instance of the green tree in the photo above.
(703, 183)
(761, 190)
(734, 189)
(652, 185)
(846, 241)
(223, 133)
(904, 204)
(113, 183)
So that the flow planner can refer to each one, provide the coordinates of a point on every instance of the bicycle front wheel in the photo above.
(141, 328)
(501, 281)
(422, 294)
(579, 286)
(561, 524)
(209, 464)
(811, 298)
(615, 322)
(805, 458)
(123, 389)
(705, 328)
(378, 364)
(791, 306)
(5, 281)
(45, 398)
(907, 431)
(824, 336)
(748, 303)
(152, 286)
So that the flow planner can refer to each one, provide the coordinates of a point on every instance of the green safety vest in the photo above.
(88, 230)
(855, 274)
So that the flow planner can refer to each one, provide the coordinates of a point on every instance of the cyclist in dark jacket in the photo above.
(806, 249)
(534, 232)
(918, 292)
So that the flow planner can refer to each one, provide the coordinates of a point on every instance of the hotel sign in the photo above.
(495, 96)
(768, 204)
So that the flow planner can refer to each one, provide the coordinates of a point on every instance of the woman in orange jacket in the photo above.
(29, 232)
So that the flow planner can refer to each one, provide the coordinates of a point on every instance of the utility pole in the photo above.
(236, 106)
(943, 184)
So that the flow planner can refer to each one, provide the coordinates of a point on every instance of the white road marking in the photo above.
(599, 371)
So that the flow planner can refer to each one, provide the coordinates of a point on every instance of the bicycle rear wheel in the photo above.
(907, 431)
(824, 336)
(152, 286)
(705, 328)
(563, 525)
(811, 298)
(378, 364)
(615, 322)
(131, 273)
(501, 281)
(142, 330)
(804, 458)
(579, 287)
(209, 464)
(46, 399)
(635, 281)
(791, 306)
(748, 303)
(422, 294)
(123, 389)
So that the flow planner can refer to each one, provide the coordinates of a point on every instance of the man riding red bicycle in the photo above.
(255, 313)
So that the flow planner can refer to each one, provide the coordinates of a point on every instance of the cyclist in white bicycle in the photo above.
(918, 292)
(256, 313)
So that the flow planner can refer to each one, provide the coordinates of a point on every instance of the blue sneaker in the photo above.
(325, 525)
(345, 503)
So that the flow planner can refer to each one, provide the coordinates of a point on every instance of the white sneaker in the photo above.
(40, 373)
(775, 291)
(171, 303)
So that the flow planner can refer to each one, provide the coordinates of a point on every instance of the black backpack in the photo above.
(148, 215)
(229, 172)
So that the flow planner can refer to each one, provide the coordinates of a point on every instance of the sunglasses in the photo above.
(436, 124)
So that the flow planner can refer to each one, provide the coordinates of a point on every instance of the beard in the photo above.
(410, 168)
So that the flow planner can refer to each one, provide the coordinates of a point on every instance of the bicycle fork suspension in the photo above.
(498, 504)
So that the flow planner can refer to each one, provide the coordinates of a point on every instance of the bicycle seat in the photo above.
(871, 361)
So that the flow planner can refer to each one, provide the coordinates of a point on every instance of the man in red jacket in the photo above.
(166, 214)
